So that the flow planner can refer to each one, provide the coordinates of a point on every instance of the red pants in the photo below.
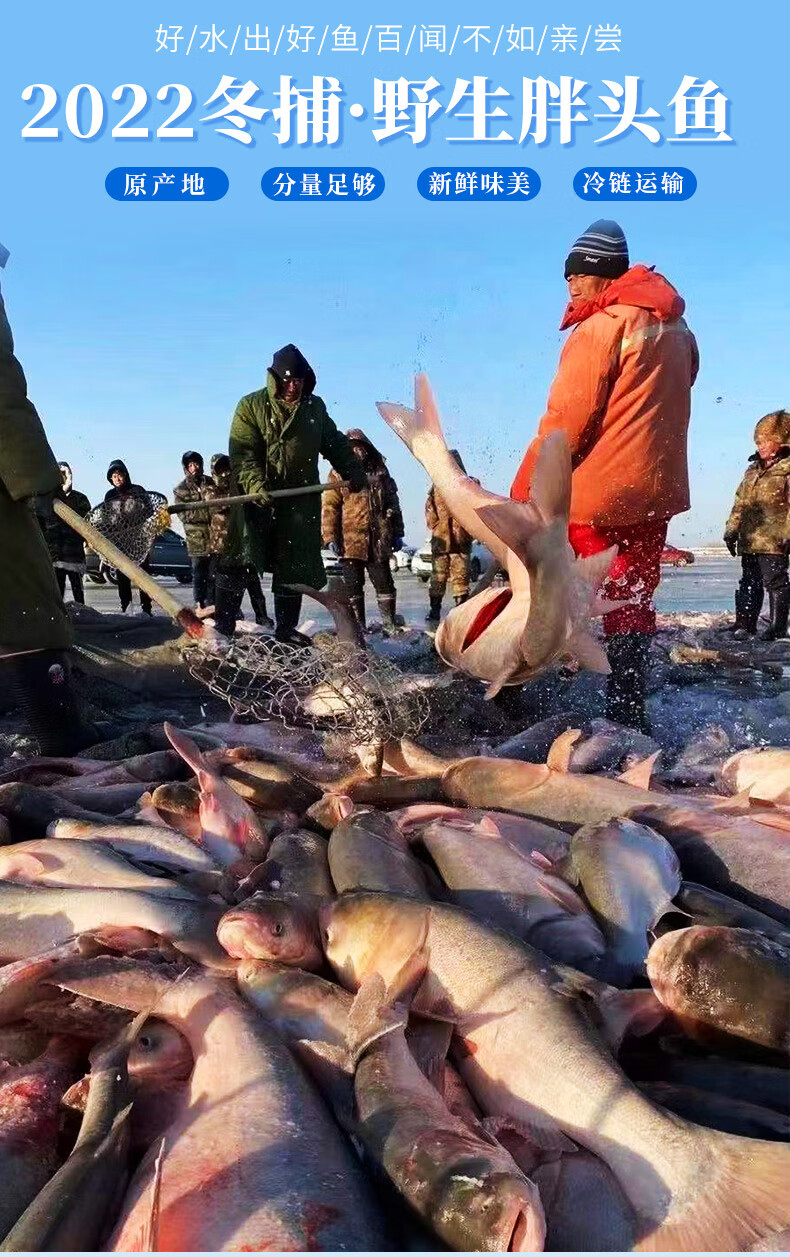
(635, 573)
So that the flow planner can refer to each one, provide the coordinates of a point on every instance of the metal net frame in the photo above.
(331, 687)
(132, 522)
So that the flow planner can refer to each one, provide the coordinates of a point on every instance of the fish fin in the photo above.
(21, 866)
(742, 1197)
(371, 1016)
(589, 652)
(498, 683)
(559, 755)
(569, 901)
(741, 802)
(77, 1095)
(627, 1012)
(488, 827)
(189, 751)
(594, 568)
(429, 1043)
(146, 1238)
(514, 523)
(118, 980)
(550, 490)
(639, 774)
(541, 861)
(423, 762)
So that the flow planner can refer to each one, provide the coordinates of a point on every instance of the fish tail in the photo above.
(339, 607)
(423, 421)
(743, 1196)
(187, 749)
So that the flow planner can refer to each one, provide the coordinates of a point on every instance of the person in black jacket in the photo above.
(65, 546)
(131, 502)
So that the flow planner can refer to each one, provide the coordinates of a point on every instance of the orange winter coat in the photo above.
(623, 396)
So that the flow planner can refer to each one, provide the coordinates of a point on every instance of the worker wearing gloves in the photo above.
(364, 527)
(276, 438)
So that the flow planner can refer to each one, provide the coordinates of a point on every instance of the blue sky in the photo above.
(140, 325)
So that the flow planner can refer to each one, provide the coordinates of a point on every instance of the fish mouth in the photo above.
(485, 617)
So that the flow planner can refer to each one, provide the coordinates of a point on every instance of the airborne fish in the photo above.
(505, 636)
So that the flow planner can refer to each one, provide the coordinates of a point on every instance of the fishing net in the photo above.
(132, 522)
(327, 687)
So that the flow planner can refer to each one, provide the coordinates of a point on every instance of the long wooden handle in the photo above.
(214, 504)
(183, 616)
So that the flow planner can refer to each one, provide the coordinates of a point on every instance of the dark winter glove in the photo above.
(262, 499)
(357, 481)
(397, 543)
(731, 542)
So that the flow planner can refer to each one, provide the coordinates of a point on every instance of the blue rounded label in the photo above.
(322, 183)
(634, 183)
(166, 183)
(478, 183)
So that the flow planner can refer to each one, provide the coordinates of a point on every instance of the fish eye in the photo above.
(277, 928)
(144, 1041)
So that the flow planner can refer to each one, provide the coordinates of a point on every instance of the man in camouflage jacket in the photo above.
(364, 527)
(758, 529)
(196, 525)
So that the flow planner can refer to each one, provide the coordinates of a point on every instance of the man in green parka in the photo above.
(276, 437)
(34, 629)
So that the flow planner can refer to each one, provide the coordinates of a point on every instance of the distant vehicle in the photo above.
(422, 566)
(673, 557)
(332, 563)
(168, 557)
(401, 559)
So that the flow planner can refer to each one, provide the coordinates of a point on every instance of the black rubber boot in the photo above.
(435, 613)
(626, 685)
(42, 686)
(357, 602)
(287, 609)
(387, 608)
(779, 610)
(460, 599)
(748, 604)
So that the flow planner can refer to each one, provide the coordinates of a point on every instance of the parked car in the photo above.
(422, 566)
(673, 557)
(401, 559)
(168, 557)
(332, 564)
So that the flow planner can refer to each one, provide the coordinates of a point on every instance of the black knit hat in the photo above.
(600, 250)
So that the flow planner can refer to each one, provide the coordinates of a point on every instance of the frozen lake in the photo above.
(707, 585)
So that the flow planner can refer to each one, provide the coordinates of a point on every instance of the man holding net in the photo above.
(35, 632)
(276, 438)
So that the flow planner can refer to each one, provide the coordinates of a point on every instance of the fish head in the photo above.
(271, 927)
(502, 1208)
(159, 1053)
(482, 636)
(365, 933)
(301, 1005)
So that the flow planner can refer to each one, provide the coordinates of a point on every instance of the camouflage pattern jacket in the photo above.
(760, 516)
(196, 523)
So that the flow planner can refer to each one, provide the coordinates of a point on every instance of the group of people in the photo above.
(622, 395)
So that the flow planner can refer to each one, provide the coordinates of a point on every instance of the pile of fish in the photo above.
(252, 999)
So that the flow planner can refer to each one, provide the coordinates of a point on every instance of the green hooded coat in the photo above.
(31, 609)
(272, 447)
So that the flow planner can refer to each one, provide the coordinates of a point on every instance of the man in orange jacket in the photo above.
(622, 395)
